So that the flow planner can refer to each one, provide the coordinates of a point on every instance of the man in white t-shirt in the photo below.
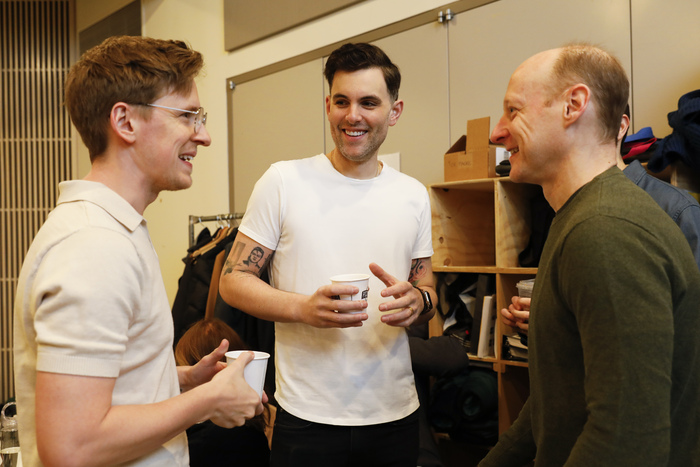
(345, 387)
(94, 367)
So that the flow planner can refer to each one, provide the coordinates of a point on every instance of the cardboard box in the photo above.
(472, 156)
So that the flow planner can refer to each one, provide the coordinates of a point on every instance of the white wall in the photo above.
(201, 25)
(665, 64)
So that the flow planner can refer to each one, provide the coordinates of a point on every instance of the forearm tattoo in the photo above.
(255, 262)
(417, 271)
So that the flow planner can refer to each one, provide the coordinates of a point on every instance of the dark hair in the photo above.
(131, 69)
(604, 74)
(360, 56)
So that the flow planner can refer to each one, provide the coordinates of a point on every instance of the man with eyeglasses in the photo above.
(94, 365)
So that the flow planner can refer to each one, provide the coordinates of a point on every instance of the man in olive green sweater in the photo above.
(614, 338)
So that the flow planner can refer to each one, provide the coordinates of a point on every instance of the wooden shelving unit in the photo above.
(481, 226)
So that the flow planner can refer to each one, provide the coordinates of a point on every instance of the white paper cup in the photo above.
(254, 372)
(361, 281)
(525, 288)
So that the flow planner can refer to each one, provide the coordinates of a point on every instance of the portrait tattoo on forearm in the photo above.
(417, 271)
(255, 262)
(254, 258)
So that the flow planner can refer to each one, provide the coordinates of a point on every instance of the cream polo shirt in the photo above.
(91, 302)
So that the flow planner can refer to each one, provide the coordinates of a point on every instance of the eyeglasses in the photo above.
(198, 117)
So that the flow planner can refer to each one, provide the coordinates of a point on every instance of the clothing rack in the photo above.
(217, 218)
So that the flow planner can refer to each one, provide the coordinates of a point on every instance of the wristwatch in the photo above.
(427, 301)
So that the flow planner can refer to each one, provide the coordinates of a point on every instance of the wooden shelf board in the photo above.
(484, 269)
(515, 363)
(476, 184)
(467, 269)
(474, 358)
(517, 270)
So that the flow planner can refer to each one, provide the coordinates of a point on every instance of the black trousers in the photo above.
(300, 443)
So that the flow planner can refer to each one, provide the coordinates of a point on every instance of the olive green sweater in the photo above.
(614, 339)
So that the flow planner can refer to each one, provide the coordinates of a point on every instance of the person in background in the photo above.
(345, 389)
(211, 445)
(93, 333)
(614, 333)
(683, 209)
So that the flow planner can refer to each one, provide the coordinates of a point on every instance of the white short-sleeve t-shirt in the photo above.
(320, 224)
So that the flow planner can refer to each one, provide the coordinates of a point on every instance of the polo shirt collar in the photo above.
(102, 196)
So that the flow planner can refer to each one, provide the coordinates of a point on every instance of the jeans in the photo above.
(300, 443)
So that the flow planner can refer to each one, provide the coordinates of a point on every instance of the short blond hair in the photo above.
(131, 69)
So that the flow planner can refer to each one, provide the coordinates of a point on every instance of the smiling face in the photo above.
(170, 143)
(360, 112)
(530, 127)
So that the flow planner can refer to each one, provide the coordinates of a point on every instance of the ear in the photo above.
(576, 100)
(328, 105)
(395, 113)
(624, 126)
(122, 121)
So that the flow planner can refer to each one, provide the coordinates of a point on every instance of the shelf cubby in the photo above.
(480, 227)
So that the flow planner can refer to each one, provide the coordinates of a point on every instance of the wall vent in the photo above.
(35, 140)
